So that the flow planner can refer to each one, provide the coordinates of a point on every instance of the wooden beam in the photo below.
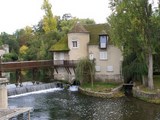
(6, 114)
(56, 69)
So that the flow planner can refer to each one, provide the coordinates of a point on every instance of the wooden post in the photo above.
(17, 78)
(1, 74)
(20, 78)
(0, 67)
(34, 73)
(28, 115)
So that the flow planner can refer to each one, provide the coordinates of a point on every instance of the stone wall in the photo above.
(111, 94)
(146, 96)
(109, 78)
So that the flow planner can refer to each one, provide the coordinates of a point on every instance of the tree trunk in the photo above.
(144, 80)
(150, 70)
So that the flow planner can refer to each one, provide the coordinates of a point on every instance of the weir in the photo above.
(31, 88)
(5, 112)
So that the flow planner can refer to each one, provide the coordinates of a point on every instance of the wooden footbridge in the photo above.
(35, 66)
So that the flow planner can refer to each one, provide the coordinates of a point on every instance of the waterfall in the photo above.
(30, 88)
(73, 88)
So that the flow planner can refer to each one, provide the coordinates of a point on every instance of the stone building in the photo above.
(90, 41)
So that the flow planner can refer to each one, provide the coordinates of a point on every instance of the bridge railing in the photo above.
(9, 66)
(4, 66)
(70, 63)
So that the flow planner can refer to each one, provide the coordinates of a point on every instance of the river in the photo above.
(68, 105)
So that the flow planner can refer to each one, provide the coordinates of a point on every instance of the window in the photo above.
(74, 44)
(103, 55)
(98, 68)
(103, 41)
(109, 68)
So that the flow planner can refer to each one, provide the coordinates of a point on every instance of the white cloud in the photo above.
(16, 14)
(94, 9)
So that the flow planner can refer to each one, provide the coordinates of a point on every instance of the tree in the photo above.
(85, 71)
(24, 35)
(23, 51)
(49, 22)
(134, 25)
(10, 57)
(67, 16)
(11, 41)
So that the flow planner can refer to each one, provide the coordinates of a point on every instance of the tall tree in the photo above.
(133, 25)
(49, 22)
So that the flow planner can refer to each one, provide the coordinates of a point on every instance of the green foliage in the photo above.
(85, 71)
(49, 22)
(11, 41)
(135, 26)
(23, 52)
(9, 57)
(100, 86)
(61, 45)
(41, 37)
(133, 68)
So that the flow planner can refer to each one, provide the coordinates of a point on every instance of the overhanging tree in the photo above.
(85, 71)
(134, 25)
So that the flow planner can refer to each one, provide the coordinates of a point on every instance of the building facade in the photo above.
(90, 41)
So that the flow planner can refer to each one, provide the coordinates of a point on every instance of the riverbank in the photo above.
(107, 90)
(145, 94)
(148, 96)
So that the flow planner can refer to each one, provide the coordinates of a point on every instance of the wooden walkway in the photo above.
(12, 66)
(35, 66)
(6, 114)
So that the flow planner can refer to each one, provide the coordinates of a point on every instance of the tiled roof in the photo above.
(96, 30)
(78, 28)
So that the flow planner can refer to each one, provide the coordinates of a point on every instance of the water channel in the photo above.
(68, 105)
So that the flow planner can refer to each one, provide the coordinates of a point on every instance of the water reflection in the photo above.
(67, 105)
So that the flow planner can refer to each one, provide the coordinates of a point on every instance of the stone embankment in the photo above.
(113, 93)
(153, 97)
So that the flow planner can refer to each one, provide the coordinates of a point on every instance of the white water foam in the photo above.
(24, 84)
(37, 92)
(73, 88)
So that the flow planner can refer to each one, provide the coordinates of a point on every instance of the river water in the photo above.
(68, 105)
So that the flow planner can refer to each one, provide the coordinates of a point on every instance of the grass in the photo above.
(156, 81)
(100, 86)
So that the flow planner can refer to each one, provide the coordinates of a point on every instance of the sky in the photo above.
(17, 14)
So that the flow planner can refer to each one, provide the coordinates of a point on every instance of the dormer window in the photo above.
(103, 40)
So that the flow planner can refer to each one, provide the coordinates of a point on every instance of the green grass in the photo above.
(100, 86)
(156, 80)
